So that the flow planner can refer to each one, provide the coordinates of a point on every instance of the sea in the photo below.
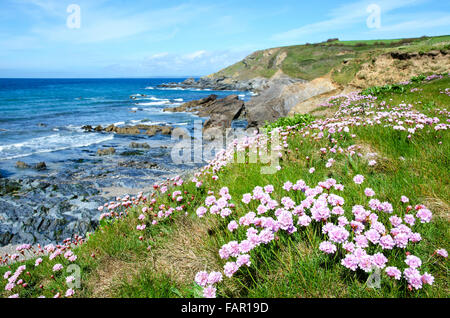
(41, 119)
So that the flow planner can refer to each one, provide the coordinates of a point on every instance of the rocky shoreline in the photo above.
(219, 84)
(59, 203)
(273, 98)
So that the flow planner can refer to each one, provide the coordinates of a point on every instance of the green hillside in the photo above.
(310, 61)
(379, 161)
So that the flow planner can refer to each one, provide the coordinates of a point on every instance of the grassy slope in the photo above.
(314, 60)
(116, 262)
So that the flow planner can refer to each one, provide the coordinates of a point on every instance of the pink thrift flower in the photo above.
(70, 292)
(201, 278)
(387, 242)
(413, 261)
(358, 179)
(409, 219)
(232, 226)
(201, 211)
(373, 236)
(442, 252)
(350, 261)
(424, 215)
(304, 220)
(214, 278)
(369, 192)
(327, 247)
(395, 220)
(230, 268)
(361, 241)
(269, 189)
(401, 240)
(70, 279)
(379, 260)
(413, 277)
(209, 292)
(57, 267)
(288, 186)
(246, 198)
(246, 246)
(266, 236)
(427, 279)
(392, 271)
(365, 263)
(243, 260)
(349, 247)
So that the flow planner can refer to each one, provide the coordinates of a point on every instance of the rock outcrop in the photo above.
(396, 67)
(281, 96)
(106, 152)
(150, 130)
(22, 165)
(137, 145)
(221, 112)
(221, 83)
(38, 166)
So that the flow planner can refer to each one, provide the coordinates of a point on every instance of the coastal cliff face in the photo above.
(297, 79)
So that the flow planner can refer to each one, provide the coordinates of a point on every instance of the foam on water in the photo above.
(50, 143)
(162, 102)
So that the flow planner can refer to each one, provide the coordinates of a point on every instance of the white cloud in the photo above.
(424, 23)
(195, 55)
(100, 24)
(183, 64)
(342, 17)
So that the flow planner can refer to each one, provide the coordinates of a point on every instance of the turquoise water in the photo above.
(41, 119)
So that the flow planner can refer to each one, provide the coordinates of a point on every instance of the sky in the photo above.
(169, 38)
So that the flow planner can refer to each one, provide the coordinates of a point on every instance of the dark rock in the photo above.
(22, 165)
(8, 186)
(220, 83)
(110, 128)
(132, 153)
(166, 130)
(40, 166)
(139, 145)
(87, 128)
(153, 130)
(221, 112)
(138, 164)
(98, 128)
(127, 130)
(106, 152)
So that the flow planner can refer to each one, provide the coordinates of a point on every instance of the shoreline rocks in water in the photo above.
(137, 145)
(149, 130)
(43, 211)
(220, 84)
(221, 112)
(38, 166)
(106, 152)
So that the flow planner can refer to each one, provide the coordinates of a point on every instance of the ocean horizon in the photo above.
(41, 119)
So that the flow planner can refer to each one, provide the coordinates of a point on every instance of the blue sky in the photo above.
(122, 38)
